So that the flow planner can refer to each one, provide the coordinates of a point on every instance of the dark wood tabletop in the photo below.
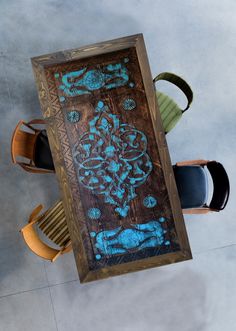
(111, 158)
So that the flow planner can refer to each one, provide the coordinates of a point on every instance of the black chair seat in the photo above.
(192, 185)
(42, 156)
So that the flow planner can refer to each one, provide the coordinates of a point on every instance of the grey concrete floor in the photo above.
(196, 39)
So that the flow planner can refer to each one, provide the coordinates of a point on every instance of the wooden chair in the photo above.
(192, 184)
(52, 224)
(171, 113)
(33, 146)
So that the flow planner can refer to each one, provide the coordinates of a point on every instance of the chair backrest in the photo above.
(221, 185)
(171, 113)
(23, 145)
(53, 225)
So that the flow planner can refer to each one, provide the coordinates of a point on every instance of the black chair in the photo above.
(192, 184)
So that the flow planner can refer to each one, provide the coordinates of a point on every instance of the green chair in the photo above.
(171, 113)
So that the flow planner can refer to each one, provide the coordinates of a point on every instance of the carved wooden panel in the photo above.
(111, 158)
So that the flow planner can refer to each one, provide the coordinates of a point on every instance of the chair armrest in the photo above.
(35, 170)
(192, 211)
(192, 162)
(33, 216)
(35, 121)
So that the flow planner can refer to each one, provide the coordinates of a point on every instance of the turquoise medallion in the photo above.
(111, 159)
(149, 201)
(135, 238)
(73, 116)
(85, 81)
(94, 213)
(129, 104)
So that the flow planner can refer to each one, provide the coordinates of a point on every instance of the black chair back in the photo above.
(221, 185)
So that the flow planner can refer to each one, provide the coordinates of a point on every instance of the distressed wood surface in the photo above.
(111, 158)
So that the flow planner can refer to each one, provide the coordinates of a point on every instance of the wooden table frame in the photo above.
(62, 155)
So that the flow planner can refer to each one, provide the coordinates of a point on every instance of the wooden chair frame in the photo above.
(23, 144)
(34, 242)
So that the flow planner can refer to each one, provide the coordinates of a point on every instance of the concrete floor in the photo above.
(195, 39)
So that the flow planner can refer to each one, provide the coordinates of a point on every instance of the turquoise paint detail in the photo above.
(86, 81)
(112, 159)
(162, 219)
(56, 75)
(92, 234)
(98, 256)
(94, 213)
(126, 60)
(131, 84)
(138, 237)
(149, 201)
(129, 104)
(73, 116)
(62, 99)
(100, 104)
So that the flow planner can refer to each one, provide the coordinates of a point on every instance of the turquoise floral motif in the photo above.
(149, 201)
(136, 238)
(112, 159)
(94, 213)
(129, 104)
(73, 116)
(85, 81)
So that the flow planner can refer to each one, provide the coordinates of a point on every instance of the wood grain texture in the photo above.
(64, 136)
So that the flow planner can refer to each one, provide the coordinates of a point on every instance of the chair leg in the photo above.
(56, 256)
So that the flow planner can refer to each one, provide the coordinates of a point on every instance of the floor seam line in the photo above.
(50, 294)
(21, 292)
(213, 249)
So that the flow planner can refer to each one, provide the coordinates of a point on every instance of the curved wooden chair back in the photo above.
(53, 224)
(221, 186)
(23, 145)
(170, 112)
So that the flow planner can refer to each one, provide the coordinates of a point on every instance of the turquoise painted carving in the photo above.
(85, 81)
(129, 104)
(62, 99)
(138, 237)
(73, 116)
(94, 213)
(149, 201)
(111, 159)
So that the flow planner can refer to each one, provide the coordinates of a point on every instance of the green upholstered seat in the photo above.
(171, 113)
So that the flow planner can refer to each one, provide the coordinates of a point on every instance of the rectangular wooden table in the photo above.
(111, 158)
